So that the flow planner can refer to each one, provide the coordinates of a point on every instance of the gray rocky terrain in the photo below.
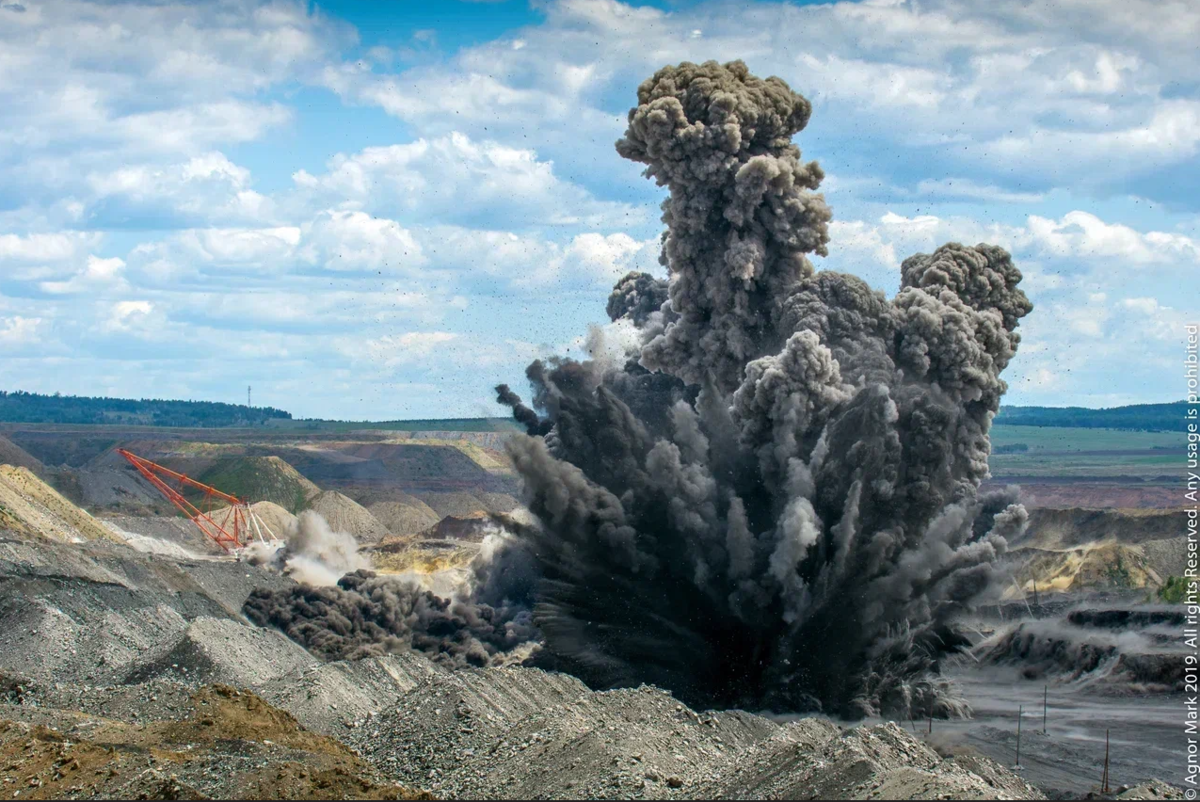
(104, 633)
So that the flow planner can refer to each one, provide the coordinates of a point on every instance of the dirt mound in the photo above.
(64, 446)
(331, 697)
(274, 516)
(880, 762)
(261, 479)
(1064, 528)
(525, 734)
(1153, 789)
(277, 519)
(232, 745)
(459, 504)
(95, 613)
(1093, 566)
(31, 508)
(471, 528)
(404, 518)
(224, 650)
(119, 489)
(346, 515)
(12, 454)
(1167, 557)
(499, 502)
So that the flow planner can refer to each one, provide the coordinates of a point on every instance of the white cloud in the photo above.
(1081, 234)
(1077, 235)
(1028, 100)
(528, 261)
(17, 330)
(135, 317)
(208, 188)
(97, 275)
(269, 247)
(455, 178)
(350, 240)
(1107, 77)
(56, 247)
(966, 189)
(126, 116)
(1147, 306)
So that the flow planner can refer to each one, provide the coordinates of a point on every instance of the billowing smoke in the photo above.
(773, 503)
(489, 622)
(312, 553)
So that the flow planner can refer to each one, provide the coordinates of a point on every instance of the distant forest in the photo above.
(22, 407)
(1142, 417)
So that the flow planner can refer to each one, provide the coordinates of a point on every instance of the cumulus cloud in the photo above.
(351, 240)
(952, 121)
(130, 317)
(208, 189)
(54, 247)
(454, 178)
(17, 330)
(97, 275)
(1076, 235)
(1034, 85)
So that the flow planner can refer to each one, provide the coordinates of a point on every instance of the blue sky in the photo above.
(379, 210)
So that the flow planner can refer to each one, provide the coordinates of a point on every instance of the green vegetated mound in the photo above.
(261, 479)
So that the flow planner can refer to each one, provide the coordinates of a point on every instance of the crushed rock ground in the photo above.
(131, 674)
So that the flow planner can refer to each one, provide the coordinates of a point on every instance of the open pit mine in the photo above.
(746, 556)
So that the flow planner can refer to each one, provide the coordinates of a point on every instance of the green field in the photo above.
(433, 425)
(1091, 453)
(1058, 438)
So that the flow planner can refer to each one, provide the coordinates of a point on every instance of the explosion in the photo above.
(774, 503)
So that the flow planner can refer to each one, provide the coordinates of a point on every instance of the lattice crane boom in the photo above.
(233, 534)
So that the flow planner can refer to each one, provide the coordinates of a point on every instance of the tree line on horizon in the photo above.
(24, 407)
(1139, 417)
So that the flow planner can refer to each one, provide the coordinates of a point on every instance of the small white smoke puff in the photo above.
(313, 553)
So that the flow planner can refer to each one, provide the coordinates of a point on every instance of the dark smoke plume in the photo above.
(366, 615)
(774, 503)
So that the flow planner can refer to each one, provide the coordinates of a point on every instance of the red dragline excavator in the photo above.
(232, 528)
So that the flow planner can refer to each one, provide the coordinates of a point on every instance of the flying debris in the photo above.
(774, 502)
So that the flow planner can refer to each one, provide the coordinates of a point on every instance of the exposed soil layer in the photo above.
(230, 744)
(1054, 528)
(1041, 492)
(33, 509)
